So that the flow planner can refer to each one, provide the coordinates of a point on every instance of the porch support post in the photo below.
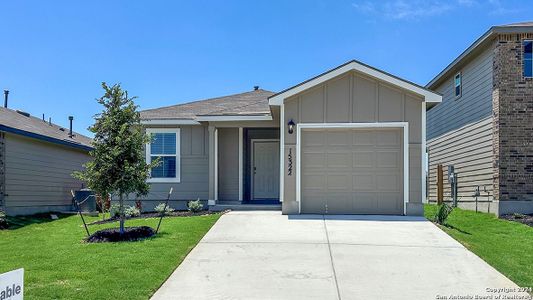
(213, 176)
(241, 165)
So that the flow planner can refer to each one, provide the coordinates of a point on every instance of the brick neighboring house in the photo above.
(484, 125)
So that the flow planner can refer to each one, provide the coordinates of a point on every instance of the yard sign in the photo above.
(12, 285)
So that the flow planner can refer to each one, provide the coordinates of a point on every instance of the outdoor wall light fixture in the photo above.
(291, 126)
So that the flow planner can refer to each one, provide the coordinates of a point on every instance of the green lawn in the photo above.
(59, 265)
(505, 245)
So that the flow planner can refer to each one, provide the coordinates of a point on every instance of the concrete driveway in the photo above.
(266, 255)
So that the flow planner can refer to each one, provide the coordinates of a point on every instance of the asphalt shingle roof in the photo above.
(12, 119)
(248, 103)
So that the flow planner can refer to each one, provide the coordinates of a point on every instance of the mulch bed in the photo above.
(524, 219)
(181, 213)
(113, 235)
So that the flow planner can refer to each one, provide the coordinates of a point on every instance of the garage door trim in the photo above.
(402, 125)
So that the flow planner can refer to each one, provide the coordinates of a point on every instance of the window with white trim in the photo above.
(458, 85)
(164, 145)
(528, 58)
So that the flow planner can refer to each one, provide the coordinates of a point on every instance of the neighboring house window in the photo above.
(165, 146)
(528, 58)
(458, 84)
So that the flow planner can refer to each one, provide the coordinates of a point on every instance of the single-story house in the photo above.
(348, 141)
(37, 159)
(484, 125)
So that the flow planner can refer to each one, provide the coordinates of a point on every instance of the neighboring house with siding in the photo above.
(348, 141)
(36, 162)
(484, 125)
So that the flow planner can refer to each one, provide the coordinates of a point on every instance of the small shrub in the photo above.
(3, 220)
(443, 211)
(519, 216)
(114, 210)
(129, 211)
(132, 211)
(195, 205)
(161, 206)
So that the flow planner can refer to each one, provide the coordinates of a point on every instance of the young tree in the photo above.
(118, 166)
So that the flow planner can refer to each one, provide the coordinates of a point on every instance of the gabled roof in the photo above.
(18, 123)
(254, 103)
(480, 43)
(358, 66)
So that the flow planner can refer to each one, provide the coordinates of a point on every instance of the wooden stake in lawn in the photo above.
(79, 211)
(164, 210)
(440, 185)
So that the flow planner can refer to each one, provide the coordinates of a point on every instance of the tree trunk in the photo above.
(122, 217)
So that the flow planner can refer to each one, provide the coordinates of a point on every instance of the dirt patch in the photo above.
(181, 213)
(113, 235)
(524, 219)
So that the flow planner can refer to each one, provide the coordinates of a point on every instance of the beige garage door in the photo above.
(352, 171)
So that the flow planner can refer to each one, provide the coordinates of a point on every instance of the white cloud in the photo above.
(415, 9)
(497, 8)
(401, 9)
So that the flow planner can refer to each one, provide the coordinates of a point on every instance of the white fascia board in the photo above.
(428, 95)
(233, 118)
(170, 122)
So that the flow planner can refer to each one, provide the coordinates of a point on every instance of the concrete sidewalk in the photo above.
(266, 255)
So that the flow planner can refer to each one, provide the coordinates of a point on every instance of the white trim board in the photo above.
(233, 118)
(281, 152)
(169, 122)
(423, 153)
(429, 96)
(216, 164)
(402, 125)
(177, 179)
(241, 164)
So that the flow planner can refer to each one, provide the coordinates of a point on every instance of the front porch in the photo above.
(244, 168)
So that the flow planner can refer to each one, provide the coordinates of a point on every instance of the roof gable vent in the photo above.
(23, 113)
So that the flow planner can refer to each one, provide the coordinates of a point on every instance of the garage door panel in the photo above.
(388, 159)
(314, 182)
(338, 138)
(313, 160)
(388, 182)
(352, 171)
(339, 160)
(365, 202)
(389, 203)
(389, 138)
(364, 182)
(339, 202)
(339, 182)
(364, 159)
(312, 138)
(364, 138)
(315, 203)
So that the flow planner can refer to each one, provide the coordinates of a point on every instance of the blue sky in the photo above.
(55, 54)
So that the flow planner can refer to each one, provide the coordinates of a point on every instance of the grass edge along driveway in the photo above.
(58, 265)
(505, 245)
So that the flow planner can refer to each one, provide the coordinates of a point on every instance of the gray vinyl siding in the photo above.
(475, 102)
(38, 175)
(194, 170)
(469, 150)
(228, 164)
